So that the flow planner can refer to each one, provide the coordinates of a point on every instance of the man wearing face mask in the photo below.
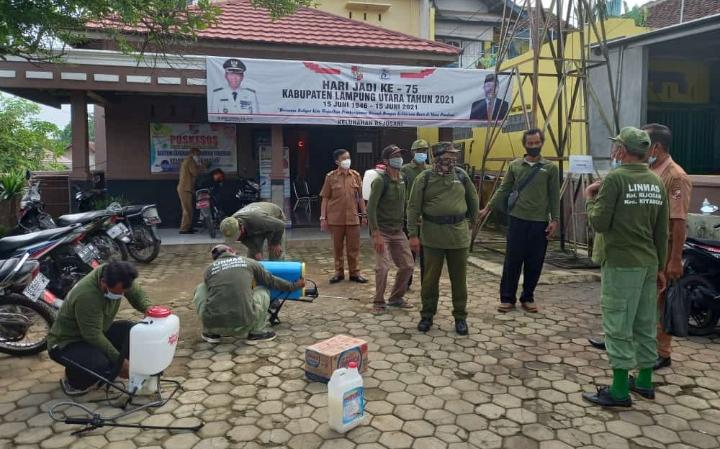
(630, 209)
(342, 210)
(409, 173)
(443, 204)
(534, 184)
(85, 331)
(679, 189)
(386, 210)
(189, 170)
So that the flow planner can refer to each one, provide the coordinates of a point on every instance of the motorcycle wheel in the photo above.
(109, 249)
(20, 318)
(210, 224)
(144, 247)
(702, 319)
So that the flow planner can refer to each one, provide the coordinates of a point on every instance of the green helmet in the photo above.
(420, 144)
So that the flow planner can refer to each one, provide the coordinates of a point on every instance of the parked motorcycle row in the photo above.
(701, 284)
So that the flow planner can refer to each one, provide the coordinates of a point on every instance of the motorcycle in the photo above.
(104, 230)
(25, 315)
(63, 256)
(142, 222)
(701, 284)
(249, 191)
(32, 215)
(209, 214)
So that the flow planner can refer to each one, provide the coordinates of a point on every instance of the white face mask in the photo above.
(345, 164)
(113, 296)
(396, 162)
(196, 159)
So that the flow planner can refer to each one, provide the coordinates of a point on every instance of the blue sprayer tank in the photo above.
(290, 271)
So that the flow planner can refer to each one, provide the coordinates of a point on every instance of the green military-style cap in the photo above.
(420, 144)
(635, 140)
(230, 229)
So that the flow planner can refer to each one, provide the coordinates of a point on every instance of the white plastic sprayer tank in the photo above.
(152, 345)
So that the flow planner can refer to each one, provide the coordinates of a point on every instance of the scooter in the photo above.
(249, 191)
(103, 229)
(142, 222)
(701, 282)
(209, 214)
(25, 315)
(32, 215)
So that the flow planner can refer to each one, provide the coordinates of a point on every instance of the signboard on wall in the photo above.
(170, 144)
(265, 159)
(303, 92)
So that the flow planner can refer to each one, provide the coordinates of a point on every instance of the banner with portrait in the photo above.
(304, 92)
(170, 144)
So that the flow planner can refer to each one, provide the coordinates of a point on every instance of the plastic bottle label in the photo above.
(353, 405)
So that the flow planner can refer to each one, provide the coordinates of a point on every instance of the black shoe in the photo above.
(662, 362)
(191, 231)
(647, 393)
(425, 324)
(359, 279)
(211, 338)
(597, 343)
(337, 278)
(461, 327)
(603, 398)
(262, 336)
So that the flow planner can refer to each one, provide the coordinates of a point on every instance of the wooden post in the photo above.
(79, 141)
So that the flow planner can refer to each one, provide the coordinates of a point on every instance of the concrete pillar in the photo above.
(79, 141)
(277, 177)
(100, 140)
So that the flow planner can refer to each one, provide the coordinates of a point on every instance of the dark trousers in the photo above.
(457, 271)
(92, 358)
(526, 247)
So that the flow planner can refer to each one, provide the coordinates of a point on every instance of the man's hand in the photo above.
(124, 370)
(275, 251)
(378, 243)
(592, 190)
(364, 221)
(661, 282)
(300, 283)
(550, 230)
(258, 256)
(415, 245)
(323, 225)
(483, 213)
(674, 269)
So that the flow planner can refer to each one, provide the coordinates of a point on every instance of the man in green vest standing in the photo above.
(445, 201)
(630, 209)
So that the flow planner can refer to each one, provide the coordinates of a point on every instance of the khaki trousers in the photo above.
(186, 202)
(346, 236)
(664, 341)
(397, 251)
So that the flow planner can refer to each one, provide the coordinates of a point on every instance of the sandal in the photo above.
(401, 304)
(530, 307)
(378, 309)
(506, 307)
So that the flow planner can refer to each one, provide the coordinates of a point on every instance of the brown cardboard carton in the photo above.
(322, 358)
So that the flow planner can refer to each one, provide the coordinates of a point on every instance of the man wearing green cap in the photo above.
(630, 209)
(444, 199)
(253, 225)
(409, 173)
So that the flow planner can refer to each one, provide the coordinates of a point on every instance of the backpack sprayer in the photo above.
(291, 272)
(151, 350)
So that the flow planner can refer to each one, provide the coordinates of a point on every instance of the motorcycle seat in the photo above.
(6, 266)
(82, 217)
(9, 244)
(715, 243)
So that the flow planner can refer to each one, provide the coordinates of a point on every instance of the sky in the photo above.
(61, 117)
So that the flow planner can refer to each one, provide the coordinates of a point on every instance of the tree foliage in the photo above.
(65, 135)
(31, 28)
(638, 13)
(26, 142)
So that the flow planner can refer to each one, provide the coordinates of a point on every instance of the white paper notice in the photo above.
(582, 165)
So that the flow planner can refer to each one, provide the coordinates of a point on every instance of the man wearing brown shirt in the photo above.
(189, 171)
(679, 187)
(341, 200)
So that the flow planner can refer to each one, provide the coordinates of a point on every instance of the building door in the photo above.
(693, 130)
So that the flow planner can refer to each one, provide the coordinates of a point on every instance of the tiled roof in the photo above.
(242, 22)
(663, 13)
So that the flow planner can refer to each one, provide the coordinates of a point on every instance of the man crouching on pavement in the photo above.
(630, 209)
(235, 297)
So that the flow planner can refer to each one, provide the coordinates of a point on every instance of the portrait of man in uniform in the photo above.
(233, 99)
(490, 107)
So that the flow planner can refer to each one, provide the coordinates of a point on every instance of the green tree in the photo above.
(26, 142)
(30, 28)
(65, 135)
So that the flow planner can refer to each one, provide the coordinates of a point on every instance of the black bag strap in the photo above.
(529, 178)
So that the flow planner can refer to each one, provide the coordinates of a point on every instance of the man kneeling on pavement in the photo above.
(234, 299)
(84, 332)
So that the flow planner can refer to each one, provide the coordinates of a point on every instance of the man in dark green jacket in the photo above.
(533, 220)
(386, 213)
(445, 201)
(253, 225)
(234, 298)
(630, 209)
(84, 331)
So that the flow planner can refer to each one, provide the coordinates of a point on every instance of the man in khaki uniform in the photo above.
(341, 200)
(253, 225)
(189, 171)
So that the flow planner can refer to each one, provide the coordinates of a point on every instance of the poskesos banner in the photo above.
(302, 92)
(170, 143)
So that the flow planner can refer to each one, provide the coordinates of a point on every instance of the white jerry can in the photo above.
(346, 399)
(152, 346)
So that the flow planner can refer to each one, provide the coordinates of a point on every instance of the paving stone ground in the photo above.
(515, 382)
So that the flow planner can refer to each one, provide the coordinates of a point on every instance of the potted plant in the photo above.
(12, 184)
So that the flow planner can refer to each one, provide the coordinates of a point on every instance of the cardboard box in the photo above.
(323, 358)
